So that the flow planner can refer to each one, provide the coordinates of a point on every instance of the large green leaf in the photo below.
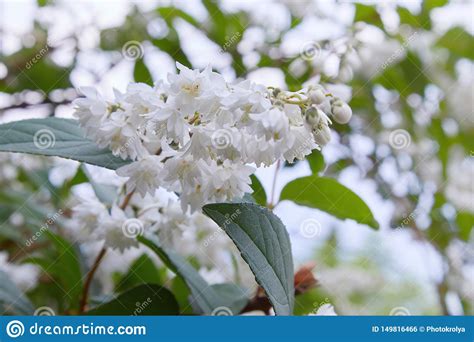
(63, 265)
(55, 137)
(233, 299)
(264, 244)
(205, 296)
(330, 196)
(143, 270)
(12, 300)
(143, 300)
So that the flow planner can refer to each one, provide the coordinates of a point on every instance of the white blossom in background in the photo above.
(24, 276)
(460, 188)
(190, 234)
(200, 136)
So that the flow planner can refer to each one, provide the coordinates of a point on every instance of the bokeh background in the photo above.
(406, 68)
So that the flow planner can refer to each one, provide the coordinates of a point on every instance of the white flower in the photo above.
(227, 181)
(86, 217)
(145, 175)
(91, 110)
(303, 144)
(121, 137)
(113, 229)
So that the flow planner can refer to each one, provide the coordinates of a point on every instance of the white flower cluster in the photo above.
(189, 234)
(118, 228)
(198, 135)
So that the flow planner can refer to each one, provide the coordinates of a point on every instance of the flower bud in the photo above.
(312, 116)
(317, 96)
(322, 136)
(341, 112)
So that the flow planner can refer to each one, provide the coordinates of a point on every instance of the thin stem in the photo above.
(98, 260)
(126, 200)
(272, 203)
(90, 276)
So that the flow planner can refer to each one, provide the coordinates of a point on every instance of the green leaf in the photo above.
(465, 222)
(407, 77)
(458, 42)
(55, 137)
(406, 17)
(12, 300)
(264, 244)
(316, 161)
(328, 195)
(428, 5)
(33, 68)
(143, 270)
(258, 191)
(235, 297)
(206, 297)
(141, 72)
(182, 295)
(63, 265)
(367, 14)
(143, 300)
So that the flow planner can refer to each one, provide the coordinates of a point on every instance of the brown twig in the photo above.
(126, 200)
(26, 105)
(88, 282)
(95, 266)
